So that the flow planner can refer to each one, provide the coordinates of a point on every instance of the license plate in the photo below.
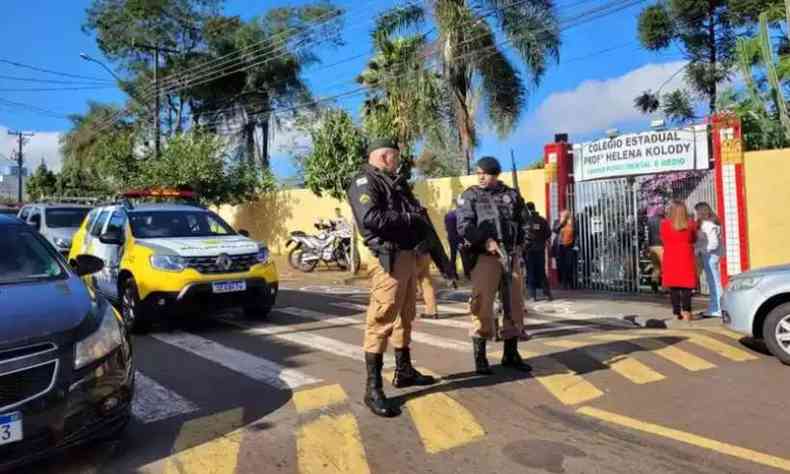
(10, 428)
(228, 286)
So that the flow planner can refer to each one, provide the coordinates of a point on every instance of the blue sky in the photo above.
(601, 69)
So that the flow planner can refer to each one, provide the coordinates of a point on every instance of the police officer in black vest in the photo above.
(491, 219)
(393, 225)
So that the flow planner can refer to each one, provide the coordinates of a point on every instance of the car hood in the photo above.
(59, 306)
(201, 246)
(766, 271)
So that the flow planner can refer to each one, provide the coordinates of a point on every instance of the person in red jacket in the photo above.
(679, 272)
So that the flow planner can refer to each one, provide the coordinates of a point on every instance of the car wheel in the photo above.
(131, 309)
(776, 332)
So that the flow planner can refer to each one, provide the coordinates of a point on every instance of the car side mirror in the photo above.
(87, 265)
(243, 232)
(112, 237)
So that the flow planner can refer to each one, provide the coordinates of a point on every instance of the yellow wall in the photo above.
(273, 218)
(767, 198)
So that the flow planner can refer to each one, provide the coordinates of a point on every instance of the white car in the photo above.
(757, 304)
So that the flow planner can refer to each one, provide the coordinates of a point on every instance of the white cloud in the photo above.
(596, 105)
(41, 145)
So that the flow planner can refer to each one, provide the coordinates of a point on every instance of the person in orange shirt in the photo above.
(565, 228)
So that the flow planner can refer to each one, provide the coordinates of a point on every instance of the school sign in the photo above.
(642, 153)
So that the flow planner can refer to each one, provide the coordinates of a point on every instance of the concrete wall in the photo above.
(767, 198)
(273, 218)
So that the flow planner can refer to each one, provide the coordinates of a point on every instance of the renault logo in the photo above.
(224, 262)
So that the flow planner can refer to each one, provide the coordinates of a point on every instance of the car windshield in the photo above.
(25, 257)
(167, 224)
(65, 216)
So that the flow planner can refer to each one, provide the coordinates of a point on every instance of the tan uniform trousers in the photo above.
(426, 283)
(393, 304)
(485, 280)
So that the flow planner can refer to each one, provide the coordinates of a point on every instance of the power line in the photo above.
(33, 108)
(51, 81)
(53, 89)
(50, 71)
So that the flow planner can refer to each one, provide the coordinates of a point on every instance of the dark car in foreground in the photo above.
(66, 371)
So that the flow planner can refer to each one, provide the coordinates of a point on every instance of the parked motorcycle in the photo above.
(332, 244)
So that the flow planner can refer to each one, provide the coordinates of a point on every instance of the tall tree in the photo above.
(705, 31)
(474, 66)
(42, 183)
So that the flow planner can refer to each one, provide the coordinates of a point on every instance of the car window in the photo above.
(91, 219)
(117, 222)
(62, 217)
(26, 257)
(158, 224)
(98, 225)
(24, 213)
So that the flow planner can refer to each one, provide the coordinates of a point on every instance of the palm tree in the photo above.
(473, 66)
(404, 97)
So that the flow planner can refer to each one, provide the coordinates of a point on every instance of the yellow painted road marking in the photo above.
(220, 449)
(725, 350)
(689, 438)
(566, 344)
(441, 421)
(666, 351)
(315, 398)
(626, 366)
(561, 381)
(725, 332)
(331, 444)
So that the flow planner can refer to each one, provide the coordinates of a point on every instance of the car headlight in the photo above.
(104, 340)
(62, 243)
(168, 263)
(740, 284)
(263, 254)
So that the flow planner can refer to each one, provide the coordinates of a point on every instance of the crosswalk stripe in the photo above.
(331, 444)
(724, 350)
(257, 368)
(568, 387)
(624, 365)
(153, 402)
(441, 421)
(417, 336)
(207, 445)
(308, 339)
(671, 353)
(320, 397)
(566, 343)
(726, 332)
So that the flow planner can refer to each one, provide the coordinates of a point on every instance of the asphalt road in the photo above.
(225, 394)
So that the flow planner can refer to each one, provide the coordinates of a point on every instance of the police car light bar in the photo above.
(143, 193)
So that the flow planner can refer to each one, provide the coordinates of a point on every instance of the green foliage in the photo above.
(706, 32)
(338, 152)
(678, 107)
(42, 183)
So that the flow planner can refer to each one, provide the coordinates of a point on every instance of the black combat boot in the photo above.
(405, 374)
(374, 395)
(511, 358)
(481, 361)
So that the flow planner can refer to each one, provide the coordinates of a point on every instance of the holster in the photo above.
(386, 253)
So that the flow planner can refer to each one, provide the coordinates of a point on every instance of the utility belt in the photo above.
(386, 252)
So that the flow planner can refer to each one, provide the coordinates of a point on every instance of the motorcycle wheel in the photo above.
(294, 257)
(306, 266)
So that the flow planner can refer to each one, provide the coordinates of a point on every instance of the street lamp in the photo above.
(86, 57)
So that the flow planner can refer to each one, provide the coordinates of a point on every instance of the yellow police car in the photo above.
(163, 259)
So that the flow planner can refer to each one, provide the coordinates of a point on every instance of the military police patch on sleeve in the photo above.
(362, 181)
(460, 201)
(364, 199)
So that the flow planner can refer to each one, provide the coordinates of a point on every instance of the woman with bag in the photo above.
(708, 249)
(679, 273)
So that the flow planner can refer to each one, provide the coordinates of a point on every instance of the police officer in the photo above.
(537, 232)
(491, 219)
(392, 225)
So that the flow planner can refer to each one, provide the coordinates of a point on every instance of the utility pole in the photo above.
(20, 159)
(157, 123)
